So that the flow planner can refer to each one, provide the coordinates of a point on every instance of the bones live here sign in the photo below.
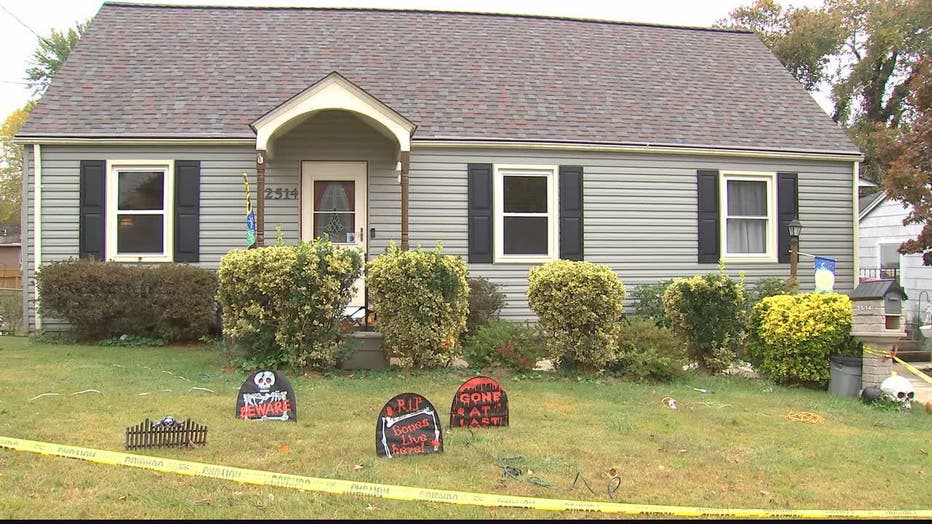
(480, 401)
(408, 425)
(266, 395)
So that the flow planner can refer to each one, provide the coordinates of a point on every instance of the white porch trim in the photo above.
(332, 92)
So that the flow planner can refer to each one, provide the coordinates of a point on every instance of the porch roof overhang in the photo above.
(333, 92)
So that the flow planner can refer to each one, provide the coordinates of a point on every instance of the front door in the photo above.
(333, 202)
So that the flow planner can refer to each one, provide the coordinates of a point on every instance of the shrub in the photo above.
(793, 335)
(708, 312)
(11, 311)
(577, 305)
(648, 352)
(187, 305)
(174, 302)
(282, 304)
(768, 287)
(503, 344)
(421, 299)
(648, 302)
(485, 301)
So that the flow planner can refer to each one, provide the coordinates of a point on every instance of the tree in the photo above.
(11, 165)
(909, 175)
(51, 54)
(867, 50)
(803, 39)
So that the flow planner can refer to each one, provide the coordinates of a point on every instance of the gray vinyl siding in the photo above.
(640, 209)
(333, 135)
(27, 232)
(222, 201)
(640, 214)
(327, 136)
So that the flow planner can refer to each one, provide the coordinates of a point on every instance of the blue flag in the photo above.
(251, 229)
(824, 274)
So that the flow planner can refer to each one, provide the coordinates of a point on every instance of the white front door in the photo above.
(333, 202)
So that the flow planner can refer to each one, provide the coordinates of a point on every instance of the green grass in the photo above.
(730, 448)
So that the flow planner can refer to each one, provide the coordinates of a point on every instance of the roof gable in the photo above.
(199, 72)
(868, 203)
(332, 92)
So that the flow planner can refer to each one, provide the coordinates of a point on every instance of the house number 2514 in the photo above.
(281, 193)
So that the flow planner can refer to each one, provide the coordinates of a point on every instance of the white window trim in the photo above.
(899, 257)
(498, 203)
(754, 176)
(115, 166)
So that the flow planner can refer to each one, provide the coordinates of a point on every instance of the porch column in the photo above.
(405, 161)
(260, 198)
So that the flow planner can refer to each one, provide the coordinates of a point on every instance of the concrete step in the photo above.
(915, 356)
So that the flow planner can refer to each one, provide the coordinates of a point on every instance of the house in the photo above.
(11, 268)
(513, 140)
(10, 247)
(880, 233)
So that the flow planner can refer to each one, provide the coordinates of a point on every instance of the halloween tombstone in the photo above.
(266, 395)
(408, 425)
(479, 402)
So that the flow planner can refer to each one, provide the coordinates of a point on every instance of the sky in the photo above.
(22, 20)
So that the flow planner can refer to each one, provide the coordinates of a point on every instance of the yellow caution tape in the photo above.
(347, 487)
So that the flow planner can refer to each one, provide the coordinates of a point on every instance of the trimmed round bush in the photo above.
(421, 302)
(577, 305)
(282, 304)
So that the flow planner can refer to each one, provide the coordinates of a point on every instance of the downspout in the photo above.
(405, 165)
(37, 225)
(260, 198)
(857, 244)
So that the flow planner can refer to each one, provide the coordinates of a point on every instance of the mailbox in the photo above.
(893, 304)
(878, 305)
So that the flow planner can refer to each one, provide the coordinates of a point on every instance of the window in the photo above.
(525, 213)
(748, 202)
(889, 260)
(139, 211)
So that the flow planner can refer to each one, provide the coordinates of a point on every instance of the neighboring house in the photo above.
(513, 140)
(10, 245)
(880, 233)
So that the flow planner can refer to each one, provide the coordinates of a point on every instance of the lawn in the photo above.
(730, 443)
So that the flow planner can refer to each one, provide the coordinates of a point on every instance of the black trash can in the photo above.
(845, 376)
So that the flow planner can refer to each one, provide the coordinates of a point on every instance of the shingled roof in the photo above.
(197, 72)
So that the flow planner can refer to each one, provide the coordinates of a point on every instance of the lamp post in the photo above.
(795, 228)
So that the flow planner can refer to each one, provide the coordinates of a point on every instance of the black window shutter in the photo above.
(787, 210)
(571, 212)
(709, 245)
(187, 210)
(92, 230)
(480, 213)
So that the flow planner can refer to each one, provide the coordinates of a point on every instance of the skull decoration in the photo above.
(264, 379)
(899, 389)
(167, 422)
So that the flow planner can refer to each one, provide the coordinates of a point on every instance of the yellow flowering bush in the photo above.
(421, 302)
(282, 304)
(792, 336)
(577, 305)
